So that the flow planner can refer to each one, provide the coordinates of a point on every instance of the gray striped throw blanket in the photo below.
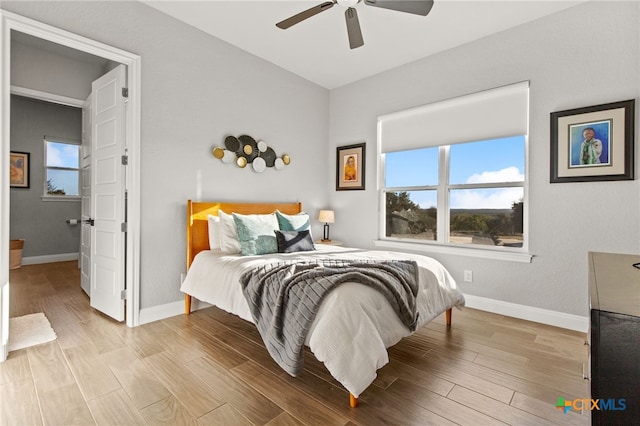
(284, 298)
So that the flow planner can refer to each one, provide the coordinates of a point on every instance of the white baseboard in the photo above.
(529, 313)
(49, 258)
(160, 312)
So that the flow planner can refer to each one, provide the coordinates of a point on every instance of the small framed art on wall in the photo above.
(350, 167)
(593, 143)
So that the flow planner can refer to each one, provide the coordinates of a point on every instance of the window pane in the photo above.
(63, 155)
(487, 216)
(62, 182)
(411, 215)
(418, 167)
(497, 160)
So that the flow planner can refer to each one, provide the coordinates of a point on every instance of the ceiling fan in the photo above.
(416, 7)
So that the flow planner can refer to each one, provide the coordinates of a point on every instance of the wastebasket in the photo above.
(15, 253)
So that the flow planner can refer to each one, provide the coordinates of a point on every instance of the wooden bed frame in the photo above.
(198, 235)
(198, 224)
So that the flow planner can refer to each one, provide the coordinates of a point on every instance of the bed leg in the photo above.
(448, 316)
(353, 401)
(187, 304)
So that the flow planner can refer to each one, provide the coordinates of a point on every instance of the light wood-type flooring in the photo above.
(211, 368)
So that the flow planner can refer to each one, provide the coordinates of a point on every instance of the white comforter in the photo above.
(355, 324)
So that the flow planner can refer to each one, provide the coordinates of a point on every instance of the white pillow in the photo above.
(229, 242)
(214, 232)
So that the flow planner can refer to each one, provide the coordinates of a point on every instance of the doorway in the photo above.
(9, 24)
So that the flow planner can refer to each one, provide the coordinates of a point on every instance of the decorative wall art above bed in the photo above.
(245, 150)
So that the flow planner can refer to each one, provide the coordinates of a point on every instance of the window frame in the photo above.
(443, 190)
(50, 197)
(492, 113)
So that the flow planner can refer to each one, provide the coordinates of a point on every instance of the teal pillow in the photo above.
(256, 233)
(295, 222)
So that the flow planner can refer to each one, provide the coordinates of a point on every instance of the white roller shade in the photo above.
(490, 114)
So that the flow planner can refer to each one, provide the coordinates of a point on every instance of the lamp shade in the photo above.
(326, 216)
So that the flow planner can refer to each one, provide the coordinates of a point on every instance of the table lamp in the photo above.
(326, 216)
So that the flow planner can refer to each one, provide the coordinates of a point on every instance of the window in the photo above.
(454, 171)
(482, 187)
(62, 168)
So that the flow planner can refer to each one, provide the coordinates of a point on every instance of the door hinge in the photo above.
(123, 227)
(125, 92)
(125, 160)
(123, 295)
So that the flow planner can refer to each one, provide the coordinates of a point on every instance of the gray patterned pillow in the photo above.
(293, 241)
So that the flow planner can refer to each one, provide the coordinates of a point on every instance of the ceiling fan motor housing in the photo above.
(348, 3)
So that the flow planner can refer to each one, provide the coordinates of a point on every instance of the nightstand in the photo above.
(330, 242)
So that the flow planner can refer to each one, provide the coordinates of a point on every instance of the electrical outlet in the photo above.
(468, 276)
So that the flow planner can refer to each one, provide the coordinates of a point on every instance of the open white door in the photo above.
(108, 193)
(85, 203)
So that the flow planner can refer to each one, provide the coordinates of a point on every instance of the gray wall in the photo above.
(196, 90)
(50, 68)
(586, 55)
(42, 223)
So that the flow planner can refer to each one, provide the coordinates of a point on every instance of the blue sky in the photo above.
(498, 160)
(64, 155)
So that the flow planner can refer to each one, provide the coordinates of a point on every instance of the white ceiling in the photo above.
(318, 49)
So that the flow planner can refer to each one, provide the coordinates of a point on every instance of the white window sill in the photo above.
(494, 254)
(61, 198)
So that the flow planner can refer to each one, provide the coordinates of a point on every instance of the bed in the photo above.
(354, 324)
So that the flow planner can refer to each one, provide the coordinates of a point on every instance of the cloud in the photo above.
(484, 198)
(510, 174)
(62, 155)
(502, 198)
(498, 198)
(427, 204)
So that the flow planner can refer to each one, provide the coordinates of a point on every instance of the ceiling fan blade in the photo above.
(353, 28)
(305, 14)
(417, 7)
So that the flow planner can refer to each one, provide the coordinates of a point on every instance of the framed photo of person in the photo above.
(593, 143)
(350, 167)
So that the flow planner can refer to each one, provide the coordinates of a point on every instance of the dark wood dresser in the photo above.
(614, 336)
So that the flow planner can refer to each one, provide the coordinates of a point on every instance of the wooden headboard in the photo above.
(198, 226)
